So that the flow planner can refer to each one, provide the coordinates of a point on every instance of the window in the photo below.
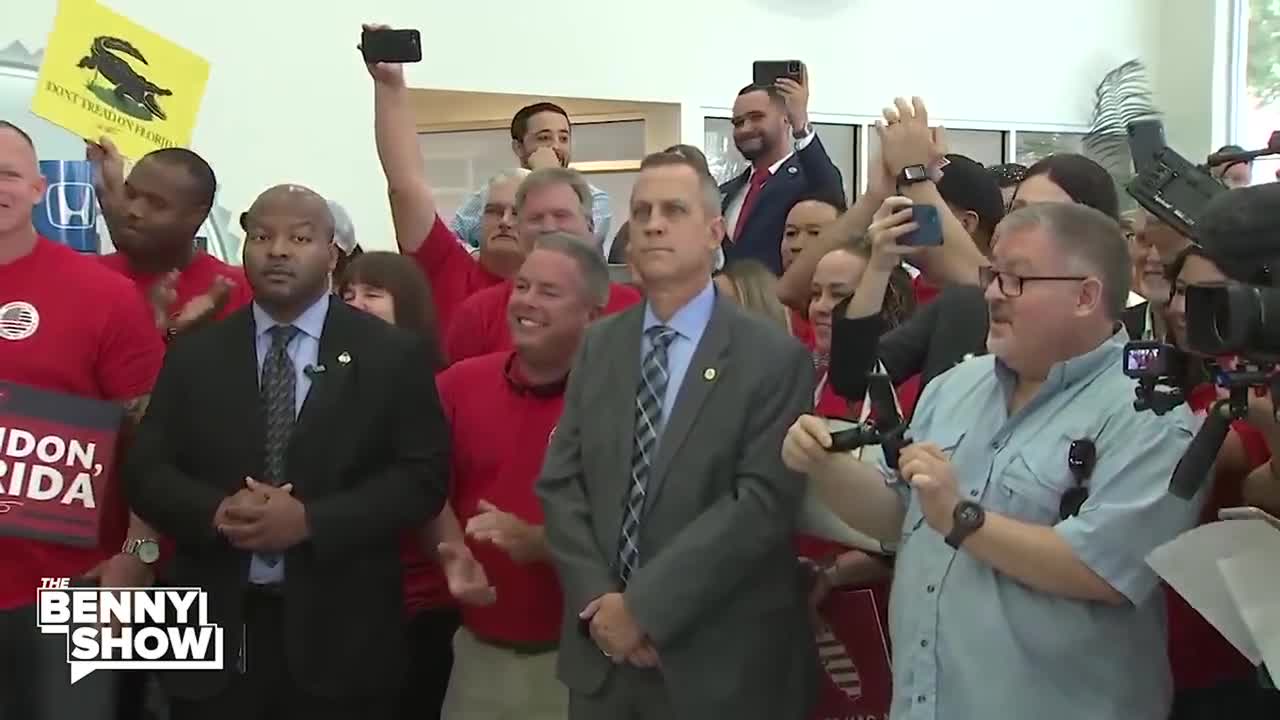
(1256, 81)
(462, 161)
(1032, 146)
(840, 141)
(984, 146)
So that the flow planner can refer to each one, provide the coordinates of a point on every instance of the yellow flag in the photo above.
(103, 74)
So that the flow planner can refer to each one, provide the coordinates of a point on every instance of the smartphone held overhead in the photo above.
(391, 46)
(929, 231)
(767, 72)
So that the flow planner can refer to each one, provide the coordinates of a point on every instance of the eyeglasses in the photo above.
(1011, 283)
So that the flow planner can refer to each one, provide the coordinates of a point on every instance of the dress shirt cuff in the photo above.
(800, 143)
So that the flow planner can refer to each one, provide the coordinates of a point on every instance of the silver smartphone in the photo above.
(1249, 513)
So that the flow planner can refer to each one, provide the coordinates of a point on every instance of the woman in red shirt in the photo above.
(390, 286)
(1212, 679)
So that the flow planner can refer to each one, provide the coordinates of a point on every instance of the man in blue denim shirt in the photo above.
(1009, 601)
(541, 136)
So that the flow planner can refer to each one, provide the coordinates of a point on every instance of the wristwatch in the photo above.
(912, 174)
(145, 549)
(967, 518)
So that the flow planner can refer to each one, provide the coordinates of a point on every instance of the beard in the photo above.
(754, 147)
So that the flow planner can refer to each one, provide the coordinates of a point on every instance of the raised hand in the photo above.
(391, 74)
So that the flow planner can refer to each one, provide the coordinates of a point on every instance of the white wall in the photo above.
(289, 101)
(1189, 72)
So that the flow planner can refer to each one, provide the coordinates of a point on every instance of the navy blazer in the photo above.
(809, 171)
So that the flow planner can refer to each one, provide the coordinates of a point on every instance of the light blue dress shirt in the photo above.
(304, 351)
(970, 642)
(466, 219)
(689, 322)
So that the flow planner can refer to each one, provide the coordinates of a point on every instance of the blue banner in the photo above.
(68, 214)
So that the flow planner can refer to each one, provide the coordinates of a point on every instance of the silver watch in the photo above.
(145, 549)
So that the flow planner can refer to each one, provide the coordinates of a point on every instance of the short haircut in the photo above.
(771, 90)
(400, 277)
(591, 265)
(709, 190)
(520, 121)
(515, 175)
(1083, 180)
(969, 187)
(1008, 174)
(826, 197)
(546, 177)
(693, 154)
(5, 124)
(1087, 237)
(206, 183)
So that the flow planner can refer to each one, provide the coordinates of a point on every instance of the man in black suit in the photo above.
(285, 450)
(771, 129)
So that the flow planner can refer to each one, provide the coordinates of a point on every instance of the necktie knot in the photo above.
(281, 335)
(660, 336)
(759, 178)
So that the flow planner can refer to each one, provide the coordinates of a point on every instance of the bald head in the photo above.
(295, 201)
(21, 184)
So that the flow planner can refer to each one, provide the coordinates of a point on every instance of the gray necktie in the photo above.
(279, 392)
(649, 418)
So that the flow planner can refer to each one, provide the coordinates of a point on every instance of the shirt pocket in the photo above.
(1031, 486)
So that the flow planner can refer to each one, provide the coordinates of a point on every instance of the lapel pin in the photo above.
(709, 374)
(344, 358)
(793, 170)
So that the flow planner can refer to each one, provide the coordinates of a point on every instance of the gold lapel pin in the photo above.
(709, 374)
(344, 358)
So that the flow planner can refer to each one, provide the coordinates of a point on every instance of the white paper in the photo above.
(1254, 584)
(1191, 565)
(818, 520)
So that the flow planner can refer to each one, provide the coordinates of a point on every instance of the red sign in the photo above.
(57, 456)
(853, 647)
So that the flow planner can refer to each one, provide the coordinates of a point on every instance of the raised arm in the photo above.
(413, 207)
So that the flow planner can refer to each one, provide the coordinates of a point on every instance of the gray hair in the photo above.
(344, 231)
(506, 176)
(1091, 240)
(595, 274)
(547, 177)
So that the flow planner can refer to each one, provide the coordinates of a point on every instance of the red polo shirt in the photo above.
(480, 325)
(1198, 654)
(499, 437)
(70, 325)
(193, 280)
(451, 271)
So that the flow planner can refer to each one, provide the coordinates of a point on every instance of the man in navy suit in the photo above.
(771, 129)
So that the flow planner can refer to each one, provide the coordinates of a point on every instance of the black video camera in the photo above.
(1159, 369)
(887, 429)
(1168, 185)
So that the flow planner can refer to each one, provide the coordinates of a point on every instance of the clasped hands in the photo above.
(616, 632)
(262, 518)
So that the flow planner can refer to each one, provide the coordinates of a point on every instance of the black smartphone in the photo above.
(391, 46)
(929, 233)
(767, 72)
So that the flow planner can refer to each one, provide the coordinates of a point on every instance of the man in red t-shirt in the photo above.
(505, 655)
(67, 325)
(153, 217)
(451, 271)
(549, 200)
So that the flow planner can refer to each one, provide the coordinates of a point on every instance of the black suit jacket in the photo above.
(809, 171)
(368, 459)
(940, 335)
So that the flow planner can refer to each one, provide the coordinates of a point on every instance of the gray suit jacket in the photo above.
(718, 589)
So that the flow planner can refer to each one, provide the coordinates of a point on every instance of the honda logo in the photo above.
(71, 206)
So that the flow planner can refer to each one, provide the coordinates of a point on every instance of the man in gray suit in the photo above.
(668, 512)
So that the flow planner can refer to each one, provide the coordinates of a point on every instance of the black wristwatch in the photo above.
(966, 519)
(912, 174)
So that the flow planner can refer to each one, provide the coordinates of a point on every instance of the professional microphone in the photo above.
(313, 371)
(1196, 464)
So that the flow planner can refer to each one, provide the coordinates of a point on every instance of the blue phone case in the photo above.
(930, 232)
